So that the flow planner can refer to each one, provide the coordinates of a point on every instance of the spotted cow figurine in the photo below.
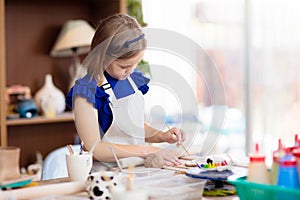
(100, 186)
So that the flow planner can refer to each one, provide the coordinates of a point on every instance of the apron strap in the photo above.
(107, 88)
(132, 83)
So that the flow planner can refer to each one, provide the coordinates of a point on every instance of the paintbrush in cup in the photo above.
(81, 148)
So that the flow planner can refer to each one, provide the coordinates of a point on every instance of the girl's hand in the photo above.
(174, 135)
(169, 157)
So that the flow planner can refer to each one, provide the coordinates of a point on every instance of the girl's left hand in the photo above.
(174, 135)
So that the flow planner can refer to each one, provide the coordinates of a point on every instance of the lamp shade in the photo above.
(76, 34)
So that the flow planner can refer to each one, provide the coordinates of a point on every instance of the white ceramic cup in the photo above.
(79, 166)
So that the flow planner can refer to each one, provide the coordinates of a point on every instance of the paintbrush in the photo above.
(181, 145)
(81, 148)
(129, 178)
(93, 147)
(116, 158)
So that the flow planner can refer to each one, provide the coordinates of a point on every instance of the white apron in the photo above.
(128, 118)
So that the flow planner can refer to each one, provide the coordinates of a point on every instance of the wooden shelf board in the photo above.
(65, 117)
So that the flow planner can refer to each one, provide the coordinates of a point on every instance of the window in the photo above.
(273, 71)
(254, 45)
(217, 28)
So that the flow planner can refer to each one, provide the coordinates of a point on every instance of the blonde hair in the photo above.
(117, 37)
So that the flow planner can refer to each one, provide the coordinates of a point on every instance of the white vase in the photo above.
(49, 99)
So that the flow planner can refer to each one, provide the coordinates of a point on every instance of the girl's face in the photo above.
(122, 68)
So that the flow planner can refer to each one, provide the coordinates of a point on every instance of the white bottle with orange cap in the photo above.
(258, 171)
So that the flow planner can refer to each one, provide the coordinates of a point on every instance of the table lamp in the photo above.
(74, 40)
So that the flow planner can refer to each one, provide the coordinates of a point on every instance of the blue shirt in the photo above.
(87, 88)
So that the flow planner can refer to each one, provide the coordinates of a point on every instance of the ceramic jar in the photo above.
(49, 99)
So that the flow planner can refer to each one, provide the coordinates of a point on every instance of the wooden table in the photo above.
(61, 189)
(45, 188)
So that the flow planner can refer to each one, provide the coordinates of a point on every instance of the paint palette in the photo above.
(214, 166)
(214, 163)
(215, 169)
(209, 174)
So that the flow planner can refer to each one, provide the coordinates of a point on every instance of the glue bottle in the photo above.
(296, 154)
(277, 155)
(288, 172)
(258, 172)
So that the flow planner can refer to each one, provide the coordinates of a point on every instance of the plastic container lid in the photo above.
(280, 152)
(288, 160)
(296, 144)
(296, 152)
(288, 163)
(257, 156)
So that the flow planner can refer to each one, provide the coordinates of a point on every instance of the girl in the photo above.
(108, 101)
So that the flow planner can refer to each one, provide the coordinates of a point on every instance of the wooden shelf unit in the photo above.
(28, 30)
